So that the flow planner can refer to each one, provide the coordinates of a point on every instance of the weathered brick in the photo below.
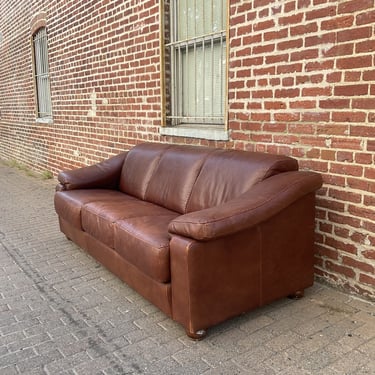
(320, 39)
(354, 34)
(331, 155)
(358, 211)
(334, 103)
(338, 23)
(349, 116)
(369, 254)
(362, 131)
(365, 17)
(361, 184)
(354, 62)
(352, 90)
(370, 145)
(345, 196)
(304, 29)
(291, 19)
(365, 103)
(347, 271)
(303, 104)
(362, 158)
(352, 76)
(354, 6)
(328, 11)
(316, 91)
(339, 218)
(365, 267)
(367, 279)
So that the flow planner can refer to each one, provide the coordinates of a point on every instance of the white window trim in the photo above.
(193, 130)
(210, 132)
(44, 120)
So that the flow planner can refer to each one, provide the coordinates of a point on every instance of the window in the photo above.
(42, 82)
(196, 60)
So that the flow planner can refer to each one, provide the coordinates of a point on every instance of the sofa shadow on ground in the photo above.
(204, 234)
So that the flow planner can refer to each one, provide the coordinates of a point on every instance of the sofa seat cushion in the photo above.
(144, 242)
(98, 218)
(68, 204)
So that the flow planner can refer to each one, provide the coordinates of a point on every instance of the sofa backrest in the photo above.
(226, 174)
(189, 178)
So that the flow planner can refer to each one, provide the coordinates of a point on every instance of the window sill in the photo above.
(44, 120)
(210, 132)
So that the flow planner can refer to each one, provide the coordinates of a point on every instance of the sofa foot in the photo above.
(198, 335)
(297, 295)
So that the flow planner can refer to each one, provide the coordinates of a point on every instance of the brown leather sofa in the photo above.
(204, 234)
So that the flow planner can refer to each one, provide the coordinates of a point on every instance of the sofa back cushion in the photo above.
(162, 174)
(175, 176)
(188, 178)
(226, 174)
(139, 166)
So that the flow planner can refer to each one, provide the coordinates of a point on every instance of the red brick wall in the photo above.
(301, 82)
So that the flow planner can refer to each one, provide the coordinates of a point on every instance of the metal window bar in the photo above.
(42, 74)
(207, 105)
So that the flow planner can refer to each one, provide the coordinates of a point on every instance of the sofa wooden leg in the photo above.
(297, 295)
(199, 335)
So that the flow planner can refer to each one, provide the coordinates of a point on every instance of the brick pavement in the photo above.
(63, 313)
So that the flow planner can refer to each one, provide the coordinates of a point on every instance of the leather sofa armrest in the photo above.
(258, 204)
(105, 174)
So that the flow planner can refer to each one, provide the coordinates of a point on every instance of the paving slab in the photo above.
(63, 313)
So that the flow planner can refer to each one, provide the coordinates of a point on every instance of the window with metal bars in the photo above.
(197, 55)
(42, 81)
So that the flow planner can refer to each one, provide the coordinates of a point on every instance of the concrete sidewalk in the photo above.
(63, 313)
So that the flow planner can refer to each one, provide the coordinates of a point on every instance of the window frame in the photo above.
(192, 129)
(41, 74)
